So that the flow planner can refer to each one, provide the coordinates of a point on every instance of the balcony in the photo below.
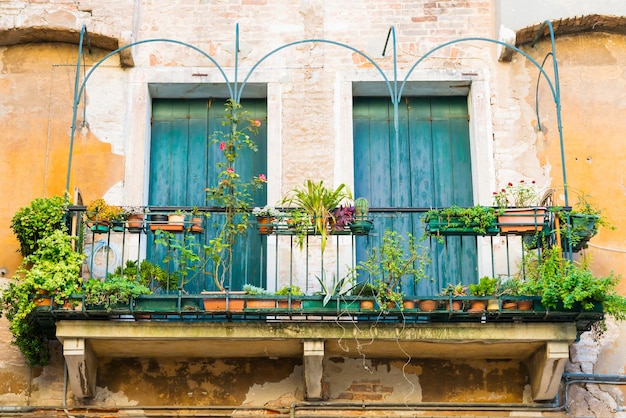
(179, 320)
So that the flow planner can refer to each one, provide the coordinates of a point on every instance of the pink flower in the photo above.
(256, 123)
(230, 170)
(262, 177)
(222, 146)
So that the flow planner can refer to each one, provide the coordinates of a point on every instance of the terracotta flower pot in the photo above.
(524, 305)
(366, 304)
(408, 304)
(457, 305)
(477, 306)
(265, 225)
(235, 302)
(516, 220)
(509, 305)
(135, 222)
(427, 305)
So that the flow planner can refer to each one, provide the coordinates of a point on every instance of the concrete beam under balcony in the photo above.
(541, 346)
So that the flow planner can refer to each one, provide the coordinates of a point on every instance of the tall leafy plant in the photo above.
(396, 258)
(232, 193)
(39, 219)
(318, 202)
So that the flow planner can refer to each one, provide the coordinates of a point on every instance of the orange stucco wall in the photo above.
(591, 70)
(36, 124)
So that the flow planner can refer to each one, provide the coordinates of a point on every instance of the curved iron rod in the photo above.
(78, 92)
(304, 41)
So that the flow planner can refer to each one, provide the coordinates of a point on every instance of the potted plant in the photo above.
(318, 202)
(456, 220)
(519, 210)
(300, 223)
(335, 288)
(509, 289)
(289, 296)
(265, 217)
(197, 220)
(113, 292)
(342, 218)
(452, 291)
(176, 220)
(366, 292)
(150, 275)
(38, 220)
(231, 193)
(259, 298)
(388, 265)
(486, 286)
(54, 268)
(567, 285)
(134, 218)
(580, 224)
(100, 215)
(361, 224)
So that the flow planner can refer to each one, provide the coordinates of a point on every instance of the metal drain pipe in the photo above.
(425, 406)
(604, 379)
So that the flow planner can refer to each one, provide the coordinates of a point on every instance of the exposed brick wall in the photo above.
(367, 390)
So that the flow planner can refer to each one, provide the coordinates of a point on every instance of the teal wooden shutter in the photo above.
(183, 165)
(428, 166)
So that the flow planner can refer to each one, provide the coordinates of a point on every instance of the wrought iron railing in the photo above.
(281, 257)
(456, 257)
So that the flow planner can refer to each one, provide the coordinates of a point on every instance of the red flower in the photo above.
(521, 181)
(262, 177)
(510, 185)
(222, 146)
(256, 123)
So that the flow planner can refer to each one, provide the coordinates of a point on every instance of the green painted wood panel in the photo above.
(183, 164)
(429, 165)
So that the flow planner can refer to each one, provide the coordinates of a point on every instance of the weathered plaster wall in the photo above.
(591, 70)
(37, 83)
(279, 382)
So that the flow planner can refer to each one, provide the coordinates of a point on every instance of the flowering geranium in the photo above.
(522, 194)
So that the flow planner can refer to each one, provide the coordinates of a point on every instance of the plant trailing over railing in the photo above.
(53, 269)
(232, 193)
(578, 225)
